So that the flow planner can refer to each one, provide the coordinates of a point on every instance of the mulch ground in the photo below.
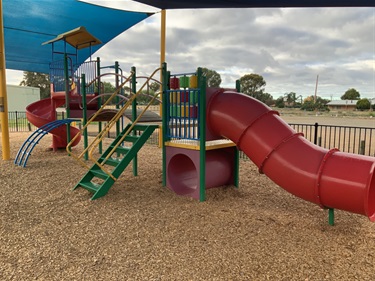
(143, 231)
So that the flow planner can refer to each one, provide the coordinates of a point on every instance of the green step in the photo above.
(128, 154)
(131, 138)
(99, 174)
(111, 162)
(90, 186)
(141, 127)
(122, 149)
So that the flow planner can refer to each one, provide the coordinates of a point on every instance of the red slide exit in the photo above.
(43, 111)
(329, 178)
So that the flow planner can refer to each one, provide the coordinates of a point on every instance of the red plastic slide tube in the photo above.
(329, 178)
(42, 112)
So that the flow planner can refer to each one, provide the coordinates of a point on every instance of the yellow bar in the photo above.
(3, 93)
(194, 144)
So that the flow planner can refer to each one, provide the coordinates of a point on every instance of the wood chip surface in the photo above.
(143, 231)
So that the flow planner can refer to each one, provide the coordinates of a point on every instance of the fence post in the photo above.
(362, 146)
(16, 121)
(316, 125)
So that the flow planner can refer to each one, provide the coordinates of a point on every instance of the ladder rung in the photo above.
(111, 162)
(90, 186)
(122, 149)
(130, 138)
(100, 174)
(140, 127)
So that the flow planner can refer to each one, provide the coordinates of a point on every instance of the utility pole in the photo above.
(316, 88)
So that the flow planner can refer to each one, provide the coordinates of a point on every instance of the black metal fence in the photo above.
(18, 122)
(358, 140)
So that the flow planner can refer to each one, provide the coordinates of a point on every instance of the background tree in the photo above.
(310, 105)
(252, 84)
(108, 87)
(363, 104)
(39, 80)
(290, 99)
(351, 94)
(280, 102)
(127, 91)
(265, 98)
(213, 78)
(299, 101)
(154, 87)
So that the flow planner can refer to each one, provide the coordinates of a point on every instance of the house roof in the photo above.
(343, 103)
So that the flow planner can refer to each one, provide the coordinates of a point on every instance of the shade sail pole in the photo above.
(3, 93)
(162, 49)
(162, 60)
(163, 36)
(162, 45)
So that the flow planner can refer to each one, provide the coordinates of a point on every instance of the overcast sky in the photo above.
(288, 47)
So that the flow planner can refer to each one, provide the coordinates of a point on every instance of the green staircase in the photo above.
(103, 174)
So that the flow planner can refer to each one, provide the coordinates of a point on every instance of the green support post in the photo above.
(66, 75)
(117, 84)
(164, 121)
(236, 167)
(202, 135)
(331, 216)
(99, 102)
(237, 153)
(84, 115)
(134, 116)
(238, 86)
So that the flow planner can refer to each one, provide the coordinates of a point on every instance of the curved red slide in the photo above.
(329, 178)
(43, 111)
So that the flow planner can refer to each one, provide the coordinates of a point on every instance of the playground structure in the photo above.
(202, 131)
(328, 178)
(194, 159)
(79, 88)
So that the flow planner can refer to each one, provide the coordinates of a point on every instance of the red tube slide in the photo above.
(328, 178)
(43, 111)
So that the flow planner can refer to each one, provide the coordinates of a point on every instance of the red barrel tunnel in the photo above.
(183, 169)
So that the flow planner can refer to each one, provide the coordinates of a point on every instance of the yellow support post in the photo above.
(3, 93)
(162, 60)
(162, 37)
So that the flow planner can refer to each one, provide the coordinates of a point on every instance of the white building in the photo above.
(20, 96)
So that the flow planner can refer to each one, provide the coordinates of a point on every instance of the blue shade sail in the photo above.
(29, 23)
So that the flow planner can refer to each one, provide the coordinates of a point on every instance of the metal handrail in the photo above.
(68, 147)
(110, 124)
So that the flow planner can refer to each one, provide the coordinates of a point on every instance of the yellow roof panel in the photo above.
(79, 38)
